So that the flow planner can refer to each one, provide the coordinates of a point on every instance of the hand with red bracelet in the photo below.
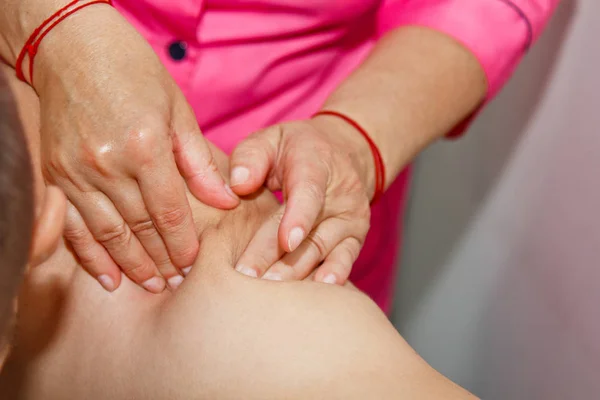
(326, 170)
(117, 136)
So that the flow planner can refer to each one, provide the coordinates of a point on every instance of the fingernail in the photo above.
(239, 175)
(230, 192)
(246, 271)
(155, 284)
(330, 278)
(296, 237)
(186, 270)
(107, 282)
(175, 281)
(272, 276)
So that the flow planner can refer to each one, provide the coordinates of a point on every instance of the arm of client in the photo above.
(221, 335)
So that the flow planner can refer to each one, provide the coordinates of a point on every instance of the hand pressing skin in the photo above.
(415, 86)
(120, 140)
(324, 168)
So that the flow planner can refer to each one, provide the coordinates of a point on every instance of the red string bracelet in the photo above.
(379, 165)
(33, 43)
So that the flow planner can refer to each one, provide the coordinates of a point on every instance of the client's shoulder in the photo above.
(238, 337)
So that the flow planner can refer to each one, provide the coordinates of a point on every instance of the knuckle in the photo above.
(114, 236)
(208, 167)
(90, 259)
(184, 257)
(87, 259)
(138, 270)
(98, 158)
(163, 264)
(171, 220)
(77, 161)
(142, 144)
(77, 236)
(352, 248)
(56, 169)
(82, 246)
(54, 164)
(143, 228)
(316, 240)
(211, 165)
(358, 228)
(166, 269)
(314, 192)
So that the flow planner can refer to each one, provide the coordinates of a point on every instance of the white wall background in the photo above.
(500, 281)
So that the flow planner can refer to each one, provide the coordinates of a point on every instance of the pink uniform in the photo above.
(247, 64)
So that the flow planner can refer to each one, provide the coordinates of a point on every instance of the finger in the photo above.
(348, 284)
(306, 179)
(252, 160)
(129, 202)
(197, 165)
(311, 276)
(263, 249)
(93, 257)
(317, 246)
(338, 264)
(163, 192)
(110, 229)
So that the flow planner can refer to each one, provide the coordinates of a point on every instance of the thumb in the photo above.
(198, 166)
(253, 160)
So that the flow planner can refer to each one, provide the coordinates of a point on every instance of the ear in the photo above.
(49, 225)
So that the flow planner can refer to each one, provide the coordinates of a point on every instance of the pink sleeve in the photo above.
(498, 32)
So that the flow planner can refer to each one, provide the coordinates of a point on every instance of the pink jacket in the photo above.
(247, 64)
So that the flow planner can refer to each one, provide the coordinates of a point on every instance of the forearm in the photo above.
(414, 88)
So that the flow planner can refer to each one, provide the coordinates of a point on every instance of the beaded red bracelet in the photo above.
(33, 43)
(379, 165)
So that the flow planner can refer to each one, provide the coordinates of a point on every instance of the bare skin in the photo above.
(221, 335)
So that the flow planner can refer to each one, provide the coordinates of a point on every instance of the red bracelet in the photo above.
(379, 165)
(33, 43)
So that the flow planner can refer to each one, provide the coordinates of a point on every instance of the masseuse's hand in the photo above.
(121, 141)
(324, 168)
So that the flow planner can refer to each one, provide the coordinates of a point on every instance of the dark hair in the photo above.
(16, 204)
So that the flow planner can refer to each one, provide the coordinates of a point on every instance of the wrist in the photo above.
(349, 140)
(57, 41)
(18, 21)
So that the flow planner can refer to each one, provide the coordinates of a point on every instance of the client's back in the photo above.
(221, 335)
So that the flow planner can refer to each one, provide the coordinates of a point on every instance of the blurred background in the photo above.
(499, 286)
